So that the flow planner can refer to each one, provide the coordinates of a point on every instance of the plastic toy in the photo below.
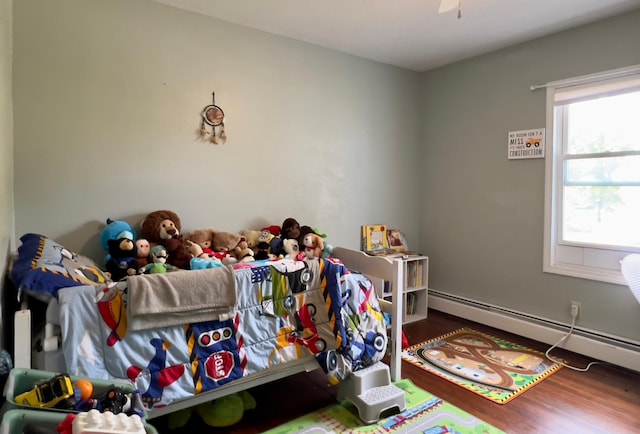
(83, 389)
(94, 422)
(55, 392)
(114, 401)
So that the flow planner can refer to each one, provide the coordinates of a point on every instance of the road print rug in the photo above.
(425, 413)
(494, 368)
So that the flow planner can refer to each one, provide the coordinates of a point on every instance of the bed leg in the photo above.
(22, 339)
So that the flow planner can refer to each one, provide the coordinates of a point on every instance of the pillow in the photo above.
(44, 266)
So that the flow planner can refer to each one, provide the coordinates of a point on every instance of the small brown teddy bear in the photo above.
(164, 227)
(204, 238)
(252, 237)
(223, 244)
(242, 252)
(196, 251)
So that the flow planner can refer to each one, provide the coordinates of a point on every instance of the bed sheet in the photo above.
(286, 310)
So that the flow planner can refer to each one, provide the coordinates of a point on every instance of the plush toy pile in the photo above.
(162, 246)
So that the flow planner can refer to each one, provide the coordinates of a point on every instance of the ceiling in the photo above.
(410, 34)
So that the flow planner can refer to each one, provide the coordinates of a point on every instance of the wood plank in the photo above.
(606, 398)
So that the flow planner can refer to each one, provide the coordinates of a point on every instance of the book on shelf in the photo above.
(411, 303)
(378, 240)
(412, 268)
(374, 239)
(397, 241)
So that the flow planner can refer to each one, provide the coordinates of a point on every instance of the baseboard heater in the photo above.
(612, 349)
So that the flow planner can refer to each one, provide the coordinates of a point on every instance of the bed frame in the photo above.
(380, 269)
(374, 267)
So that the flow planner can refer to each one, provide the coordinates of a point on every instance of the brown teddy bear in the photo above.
(164, 227)
(223, 244)
(204, 238)
(196, 252)
(252, 237)
(242, 252)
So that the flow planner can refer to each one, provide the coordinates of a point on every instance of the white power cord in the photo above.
(574, 315)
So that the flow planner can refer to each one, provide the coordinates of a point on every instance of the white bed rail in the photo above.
(385, 269)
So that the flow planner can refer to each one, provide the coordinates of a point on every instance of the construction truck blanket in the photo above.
(189, 336)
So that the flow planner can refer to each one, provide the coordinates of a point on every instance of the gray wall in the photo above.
(6, 146)
(107, 102)
(482, 214)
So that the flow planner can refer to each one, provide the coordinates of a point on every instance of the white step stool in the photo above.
(371, 391)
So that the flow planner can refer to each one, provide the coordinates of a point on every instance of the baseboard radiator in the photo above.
(608, 348)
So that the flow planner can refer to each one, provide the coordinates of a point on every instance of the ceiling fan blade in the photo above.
(448, 5)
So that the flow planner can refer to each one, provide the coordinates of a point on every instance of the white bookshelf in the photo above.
(413, 284)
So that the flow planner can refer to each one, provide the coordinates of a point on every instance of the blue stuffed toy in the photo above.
(122, 260)
(114, 230)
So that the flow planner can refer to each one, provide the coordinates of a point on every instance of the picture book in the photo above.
(374, 239)
(397, 241)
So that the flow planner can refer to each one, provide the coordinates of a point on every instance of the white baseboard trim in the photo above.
(610, 349)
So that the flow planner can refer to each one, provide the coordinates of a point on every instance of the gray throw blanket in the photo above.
(180, 297)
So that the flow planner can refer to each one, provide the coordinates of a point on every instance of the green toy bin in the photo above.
(22, 380)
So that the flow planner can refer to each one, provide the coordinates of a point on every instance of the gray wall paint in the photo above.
(482, 214)
(325, 137)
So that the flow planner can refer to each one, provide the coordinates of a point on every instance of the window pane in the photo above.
(603, 171)
(604, 124)
(602, 215)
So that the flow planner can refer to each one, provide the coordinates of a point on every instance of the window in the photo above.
(592, 209)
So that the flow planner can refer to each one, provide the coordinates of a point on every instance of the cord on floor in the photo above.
(559, 362)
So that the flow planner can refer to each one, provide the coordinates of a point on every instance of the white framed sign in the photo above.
(526, 144)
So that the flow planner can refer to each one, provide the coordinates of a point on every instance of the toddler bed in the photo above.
(188, 337)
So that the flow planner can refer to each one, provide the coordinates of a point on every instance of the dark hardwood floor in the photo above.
(605, 399)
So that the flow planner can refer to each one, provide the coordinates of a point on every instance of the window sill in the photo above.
(589, 273)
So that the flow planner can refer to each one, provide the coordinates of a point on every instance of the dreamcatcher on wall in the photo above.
(213, 116)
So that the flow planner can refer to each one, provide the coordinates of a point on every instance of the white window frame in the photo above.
(582, 261)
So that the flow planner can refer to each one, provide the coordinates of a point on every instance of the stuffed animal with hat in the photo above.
(122, 260)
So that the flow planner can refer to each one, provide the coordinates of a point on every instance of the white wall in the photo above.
(107, 102)
(483, 215)
(6, 145)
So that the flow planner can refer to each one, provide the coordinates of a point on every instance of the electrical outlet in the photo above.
(575, 309)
